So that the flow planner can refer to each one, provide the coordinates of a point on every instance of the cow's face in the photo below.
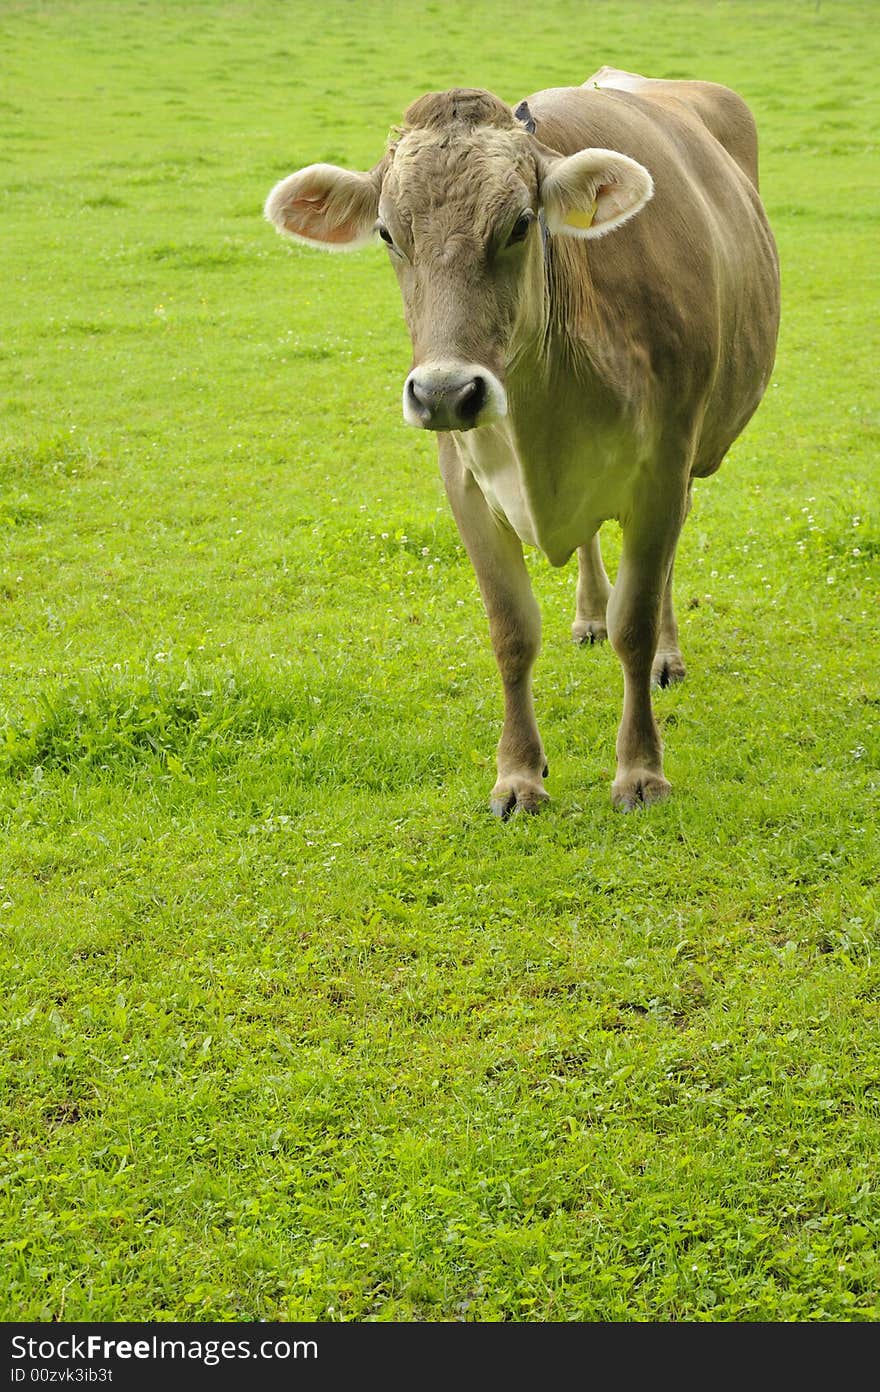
(459, 215)
(464, 200)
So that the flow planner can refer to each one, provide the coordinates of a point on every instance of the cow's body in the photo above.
(573, 376)
(683, 292)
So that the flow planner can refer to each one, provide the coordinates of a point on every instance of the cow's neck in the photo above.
(568, 366)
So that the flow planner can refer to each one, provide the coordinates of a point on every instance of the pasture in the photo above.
(292, 1027)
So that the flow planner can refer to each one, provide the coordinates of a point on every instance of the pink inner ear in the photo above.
(305, 216)
(607, 203)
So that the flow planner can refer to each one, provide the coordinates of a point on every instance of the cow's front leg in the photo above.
(593, 589)
(515, 627)
(634, 612)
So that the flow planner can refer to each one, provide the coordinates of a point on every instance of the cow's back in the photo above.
(723, 112)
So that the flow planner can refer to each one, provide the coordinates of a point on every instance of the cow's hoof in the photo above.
(639, 789)
(589, 631)
(516, 795)
(667, 670)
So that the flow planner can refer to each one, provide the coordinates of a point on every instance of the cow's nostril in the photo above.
(471, 398)
(421, 400)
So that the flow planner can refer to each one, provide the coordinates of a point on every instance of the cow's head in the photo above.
(463, 199)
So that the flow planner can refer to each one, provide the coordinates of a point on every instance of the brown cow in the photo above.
(592, 292)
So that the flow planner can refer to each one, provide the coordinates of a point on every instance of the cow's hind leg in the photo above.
(515, 627)
(668, 666)
(593, 589)
(634, 624)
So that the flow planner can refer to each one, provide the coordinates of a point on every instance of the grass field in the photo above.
(292, 1027)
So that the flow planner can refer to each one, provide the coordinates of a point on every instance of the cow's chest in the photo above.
(556, 491)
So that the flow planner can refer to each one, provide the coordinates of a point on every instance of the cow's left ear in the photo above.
(327, 207)
(592, 192)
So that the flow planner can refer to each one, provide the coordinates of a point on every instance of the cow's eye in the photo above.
(384, 234)
(520, 229)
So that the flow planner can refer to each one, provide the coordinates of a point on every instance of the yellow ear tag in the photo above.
(579, 219)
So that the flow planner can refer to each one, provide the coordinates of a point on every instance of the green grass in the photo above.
(292, 1028)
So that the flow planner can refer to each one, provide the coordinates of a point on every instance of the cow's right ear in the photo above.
(326, 207)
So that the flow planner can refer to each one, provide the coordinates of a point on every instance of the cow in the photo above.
(591, 288)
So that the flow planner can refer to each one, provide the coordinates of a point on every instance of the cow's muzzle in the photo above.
(452, 396)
